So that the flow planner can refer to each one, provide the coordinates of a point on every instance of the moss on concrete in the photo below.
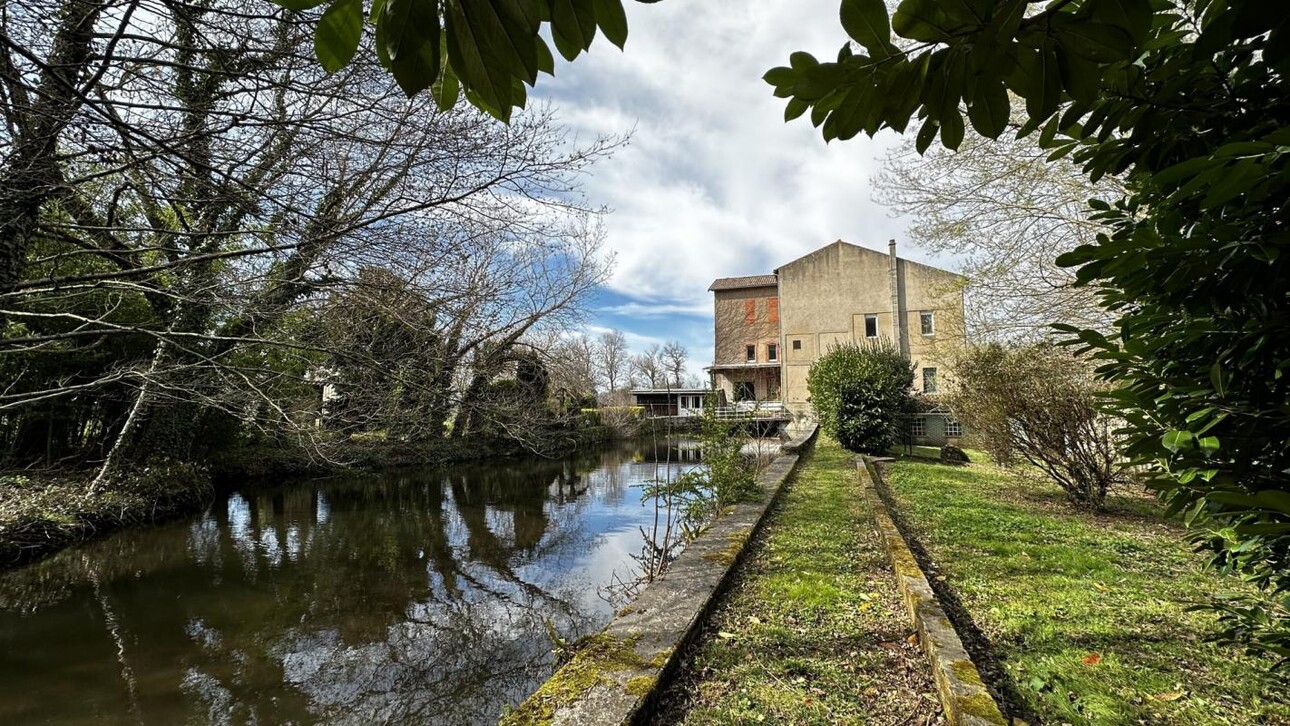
(965, 671)
(640, 685)
(979, 705)
(661, 659)
(598, 656)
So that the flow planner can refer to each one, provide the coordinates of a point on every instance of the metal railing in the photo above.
(753, 410)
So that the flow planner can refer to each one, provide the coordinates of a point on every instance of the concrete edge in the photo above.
(647, 636)
(963, 693)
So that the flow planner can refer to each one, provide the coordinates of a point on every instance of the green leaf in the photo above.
(1046, 93)
(1217, 380)
(1098, 42)
(795, 108)
(337, 35)
(408, 34)
(1176, 440)
(922, 20)
(952, 130)
(1274, 499)
(988, 109)
(1239, 179)
(568, 27)
(478, 74)
(546, 60)
(780, 77)
(1081, 78)
(446, 90)
(612, 20)
(866, 22)
(926, 135)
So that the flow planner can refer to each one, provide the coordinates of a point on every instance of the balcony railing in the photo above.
(753, 410)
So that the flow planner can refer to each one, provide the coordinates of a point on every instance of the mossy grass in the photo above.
(812, 631)
(1087, 613)
(41, 514)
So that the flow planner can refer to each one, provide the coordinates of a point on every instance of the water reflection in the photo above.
(417, 597)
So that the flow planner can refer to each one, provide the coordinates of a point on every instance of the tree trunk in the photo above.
(30, 174)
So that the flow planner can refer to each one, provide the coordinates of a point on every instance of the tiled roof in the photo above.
(737, 283)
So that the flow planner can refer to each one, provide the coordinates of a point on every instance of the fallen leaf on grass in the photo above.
(1092, 659)
(726, 636)
(1171, 696)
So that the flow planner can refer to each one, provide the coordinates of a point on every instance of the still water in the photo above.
(420, 596)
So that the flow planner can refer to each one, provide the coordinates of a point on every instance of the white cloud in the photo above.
(714, 183)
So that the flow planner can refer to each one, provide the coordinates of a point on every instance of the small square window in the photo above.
(917, 427)
(953, 429)
(750, 353)
(797, 345)
(929, 380)
(927, 321)
(871, 326)
(772, 352)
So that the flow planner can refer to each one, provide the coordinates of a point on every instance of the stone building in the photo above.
(770, 328)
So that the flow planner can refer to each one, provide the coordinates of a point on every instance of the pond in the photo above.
(418, 596)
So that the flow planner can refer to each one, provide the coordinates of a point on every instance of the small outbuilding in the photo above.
(667, 402)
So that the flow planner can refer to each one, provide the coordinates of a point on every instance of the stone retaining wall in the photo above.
(615, 678)
(964, 696)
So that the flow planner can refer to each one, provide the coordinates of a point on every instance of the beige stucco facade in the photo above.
(838, 294)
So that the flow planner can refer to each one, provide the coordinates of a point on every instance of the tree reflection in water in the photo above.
(414, 597)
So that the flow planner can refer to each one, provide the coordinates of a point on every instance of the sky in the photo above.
(713, 183)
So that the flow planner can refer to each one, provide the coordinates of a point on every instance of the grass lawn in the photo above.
(1087, 613)
(812, 631)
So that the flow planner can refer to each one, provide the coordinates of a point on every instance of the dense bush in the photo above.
(1040, 403)
(859, 393)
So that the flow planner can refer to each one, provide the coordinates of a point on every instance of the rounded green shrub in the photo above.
(859, 392)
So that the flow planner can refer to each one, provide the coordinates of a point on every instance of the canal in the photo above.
(417, 596)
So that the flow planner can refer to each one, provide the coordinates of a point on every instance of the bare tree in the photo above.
(573, 365)
(648, 366)
(1007, 212)
(673, 358)
(612, 358)
(194, 192)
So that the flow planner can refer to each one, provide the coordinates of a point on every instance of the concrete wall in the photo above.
(825, 296)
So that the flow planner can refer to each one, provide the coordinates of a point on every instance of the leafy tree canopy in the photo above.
(490, 49)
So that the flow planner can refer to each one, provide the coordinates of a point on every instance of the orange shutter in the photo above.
(750, 311)
(772, 309)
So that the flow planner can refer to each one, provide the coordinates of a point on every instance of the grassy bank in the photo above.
(812, 631)
(1086, 613)
(40, 516)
